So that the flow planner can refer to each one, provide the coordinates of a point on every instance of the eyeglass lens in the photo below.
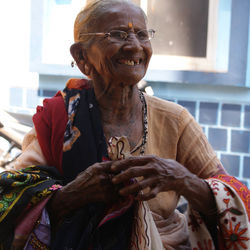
(142, 35)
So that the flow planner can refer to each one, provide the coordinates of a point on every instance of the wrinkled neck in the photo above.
(118, 102)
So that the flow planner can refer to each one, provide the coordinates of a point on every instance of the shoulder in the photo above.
(166, 108)
(52, 108)
(169, 115)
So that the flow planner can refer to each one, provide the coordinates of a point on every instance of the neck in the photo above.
(118, 102)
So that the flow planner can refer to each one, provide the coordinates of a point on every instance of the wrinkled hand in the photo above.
(158, 175)
(92, 185)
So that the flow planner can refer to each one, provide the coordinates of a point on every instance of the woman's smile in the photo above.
(129, 62)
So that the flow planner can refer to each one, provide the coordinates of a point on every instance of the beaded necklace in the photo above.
(142, 146)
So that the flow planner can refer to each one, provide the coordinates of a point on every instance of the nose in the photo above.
(132, 43)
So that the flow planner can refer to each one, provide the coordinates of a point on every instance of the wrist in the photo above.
(187, 184)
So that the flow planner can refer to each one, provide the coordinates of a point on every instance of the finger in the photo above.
(105, 179)
(138, 186)
(149, 195)
(122, 165)
(103, 166)
(130, 173)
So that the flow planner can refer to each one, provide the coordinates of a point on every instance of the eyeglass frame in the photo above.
(108, 34)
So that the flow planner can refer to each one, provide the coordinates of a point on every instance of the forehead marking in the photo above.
(130, 25)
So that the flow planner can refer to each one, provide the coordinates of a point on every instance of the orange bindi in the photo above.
(130, 25)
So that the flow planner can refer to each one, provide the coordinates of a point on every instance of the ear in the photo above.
(80, 56)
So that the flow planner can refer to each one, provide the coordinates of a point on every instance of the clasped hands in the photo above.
(104, 181)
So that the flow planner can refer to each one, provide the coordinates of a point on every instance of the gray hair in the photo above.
(88, 16)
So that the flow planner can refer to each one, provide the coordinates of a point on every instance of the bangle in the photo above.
(55, 187)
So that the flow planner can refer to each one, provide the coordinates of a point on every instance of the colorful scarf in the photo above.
(83, 144)
(21, 192)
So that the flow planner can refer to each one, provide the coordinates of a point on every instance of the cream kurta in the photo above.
(173, 133)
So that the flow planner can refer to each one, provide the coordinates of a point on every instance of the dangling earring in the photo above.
(86, 69)
(73, 63)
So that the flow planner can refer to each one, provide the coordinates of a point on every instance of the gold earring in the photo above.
(73, 63)
(86, 69)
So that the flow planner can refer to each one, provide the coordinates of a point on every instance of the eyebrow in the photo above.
(122, 27)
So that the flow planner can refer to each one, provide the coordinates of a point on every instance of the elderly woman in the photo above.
(105, 165)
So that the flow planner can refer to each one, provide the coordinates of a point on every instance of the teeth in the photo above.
(130, 62)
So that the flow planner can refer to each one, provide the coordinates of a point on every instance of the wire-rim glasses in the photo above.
(120, 35)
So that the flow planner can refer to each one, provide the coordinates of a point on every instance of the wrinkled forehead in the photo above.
(120, 15)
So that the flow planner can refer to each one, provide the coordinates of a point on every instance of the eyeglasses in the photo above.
(120, 36)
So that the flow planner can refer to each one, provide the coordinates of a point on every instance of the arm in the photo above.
(195, 161)
(91, 185)
(193, 149)
(32, 153)
(195, 153)
(160, 175)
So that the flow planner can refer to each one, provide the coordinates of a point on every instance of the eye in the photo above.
(143, 35)
(118, 34)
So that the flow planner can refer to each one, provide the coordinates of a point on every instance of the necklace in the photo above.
(142, 146)
(119, 148)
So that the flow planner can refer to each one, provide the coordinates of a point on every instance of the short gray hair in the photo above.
(87, 17)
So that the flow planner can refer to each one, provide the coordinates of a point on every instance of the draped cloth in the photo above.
(23, 196)
(95, 225)
(65, 125)
(233, 214)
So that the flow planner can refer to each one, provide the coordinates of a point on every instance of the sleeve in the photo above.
(32, 153)
(194, 150)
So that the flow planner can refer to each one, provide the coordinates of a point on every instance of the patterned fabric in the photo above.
(20, 192)
(232, 199)
(145, 235)
(40, 237)
(71, 133)
(118, 148)
(240, 189)
(84, 140)
(96, 225)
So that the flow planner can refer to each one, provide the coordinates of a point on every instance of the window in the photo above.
(186, 33)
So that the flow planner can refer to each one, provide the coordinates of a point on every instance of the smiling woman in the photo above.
(106, 164)
(106, 53)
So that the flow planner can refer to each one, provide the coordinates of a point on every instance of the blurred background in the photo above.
(201, 61)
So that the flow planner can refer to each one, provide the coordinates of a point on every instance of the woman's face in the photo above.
(120, 61)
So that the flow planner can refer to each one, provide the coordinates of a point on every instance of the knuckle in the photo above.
(153, 193)
(130, 171)
(102, 179)
(151, 168)
(151, 196)
(93, 167)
